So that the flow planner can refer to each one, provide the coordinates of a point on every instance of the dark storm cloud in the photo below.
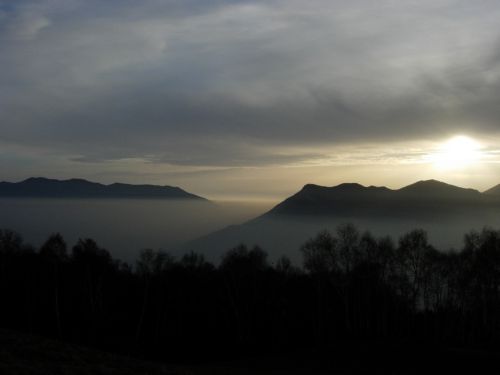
(242, 82)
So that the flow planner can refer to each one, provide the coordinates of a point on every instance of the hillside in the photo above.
(423, 204)
(40, 187)
(494, 191)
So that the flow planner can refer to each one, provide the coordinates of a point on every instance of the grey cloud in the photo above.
(225, 82)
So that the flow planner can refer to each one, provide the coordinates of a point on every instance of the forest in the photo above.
(351, 287)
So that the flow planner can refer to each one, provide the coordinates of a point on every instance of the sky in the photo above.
(251, 99)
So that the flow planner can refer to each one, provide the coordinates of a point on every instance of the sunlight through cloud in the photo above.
(456, 153)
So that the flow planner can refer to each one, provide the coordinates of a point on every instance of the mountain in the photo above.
(348, 198)
(494, 191)
(423, 198)
(445, 211)
(438, 189)
(39, 187)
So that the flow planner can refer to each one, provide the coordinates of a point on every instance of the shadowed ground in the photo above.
(22, 354)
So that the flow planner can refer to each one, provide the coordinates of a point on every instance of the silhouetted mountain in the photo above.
(380, 209)
(40, 187)
(354, 200)
(437, 189)
(494, 191)
(346, 198)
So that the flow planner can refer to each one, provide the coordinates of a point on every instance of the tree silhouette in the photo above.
(348, 246)
(94, 266)
(320, 253)
(353, 288)
(151, 266)
(10, 242)
(411, 257)
(54, 248)
(54, 252)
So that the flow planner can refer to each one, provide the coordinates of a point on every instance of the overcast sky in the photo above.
(247, 98)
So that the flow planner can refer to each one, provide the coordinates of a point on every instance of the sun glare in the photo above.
(458, 152)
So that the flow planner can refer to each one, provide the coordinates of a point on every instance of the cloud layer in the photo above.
(241, 83)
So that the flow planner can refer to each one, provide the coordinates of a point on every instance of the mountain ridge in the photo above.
(435, 186)
(423, 204)
(356, 199)
(421, 185)
(41, 187)
(495, 190)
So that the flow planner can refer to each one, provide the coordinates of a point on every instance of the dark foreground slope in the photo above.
(360, 306)
(442, 209)
(22, 354)
(78, 188)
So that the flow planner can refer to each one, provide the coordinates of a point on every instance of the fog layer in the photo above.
(123, 226)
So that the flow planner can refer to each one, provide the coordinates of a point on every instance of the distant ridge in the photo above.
(494, 191)
(40, 187)
(313, 208)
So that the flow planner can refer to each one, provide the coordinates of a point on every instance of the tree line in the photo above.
(352, 286)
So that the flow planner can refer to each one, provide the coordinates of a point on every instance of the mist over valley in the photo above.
(125, 226)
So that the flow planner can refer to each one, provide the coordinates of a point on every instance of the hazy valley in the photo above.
(126, 225)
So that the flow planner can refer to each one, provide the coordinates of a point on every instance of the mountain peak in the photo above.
(311, 187)
(346, 186)
(353, 186)
(429, 183)
(435, 187)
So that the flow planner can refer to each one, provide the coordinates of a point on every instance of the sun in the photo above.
(456, 153)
